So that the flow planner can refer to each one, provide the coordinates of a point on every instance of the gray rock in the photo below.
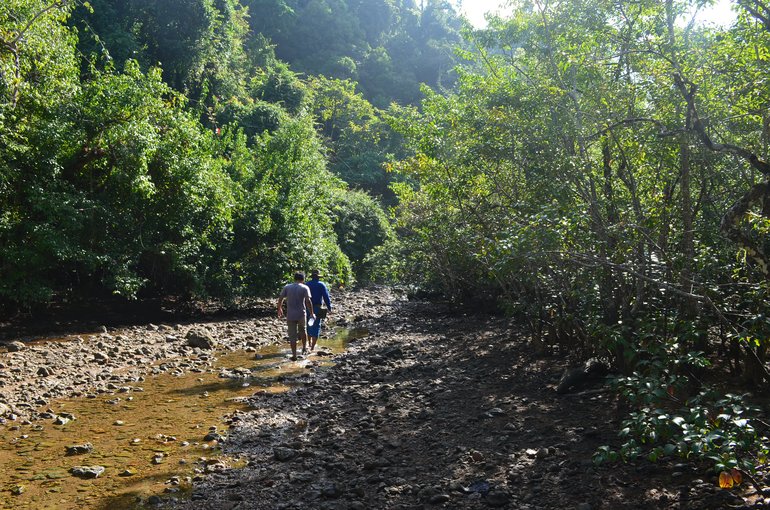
(16, 346)
(497, 499)
(214, 436)
(330, 490)
(61, 420)
(199, 337)
(87, 471)
(301, 477)
(283, 454)
(80, 449)
(44, 371)
(100, 356)
(439, 499)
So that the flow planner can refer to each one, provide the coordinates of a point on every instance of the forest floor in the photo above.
(430, 408)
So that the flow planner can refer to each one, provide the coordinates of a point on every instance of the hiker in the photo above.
(318, 293)
(298, 307)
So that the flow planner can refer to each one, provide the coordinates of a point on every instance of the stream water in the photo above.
(149, 439)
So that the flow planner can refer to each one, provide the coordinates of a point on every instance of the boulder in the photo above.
(199, 337)
(16, 346)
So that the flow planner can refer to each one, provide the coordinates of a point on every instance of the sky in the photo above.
(474, 10)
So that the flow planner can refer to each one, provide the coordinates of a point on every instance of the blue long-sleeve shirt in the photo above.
(318, 293)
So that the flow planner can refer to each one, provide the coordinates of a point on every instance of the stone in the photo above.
(214, 436)
(301, 477)
(439, 499)
(330, 490)
(284, 454)
(61, 420)
(80, 449)
(15, 346)
(497, 499)
(87, 471)
(44, 371)
(200, 338)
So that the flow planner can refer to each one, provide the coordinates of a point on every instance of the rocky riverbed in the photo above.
(436, 409)
(115, 360)
(429, 408)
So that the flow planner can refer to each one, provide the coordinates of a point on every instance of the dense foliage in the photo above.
(389, 46)
(112, 181)
(601, 172)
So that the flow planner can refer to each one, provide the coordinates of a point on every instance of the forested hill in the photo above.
(389, 47)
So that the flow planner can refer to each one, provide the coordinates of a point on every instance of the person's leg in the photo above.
(302, 332)
(315, 330)
(293, 327)
(314, 333)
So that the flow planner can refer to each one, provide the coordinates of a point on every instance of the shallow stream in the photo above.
(149, 439)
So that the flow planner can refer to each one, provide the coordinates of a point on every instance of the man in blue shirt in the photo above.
(318, 293)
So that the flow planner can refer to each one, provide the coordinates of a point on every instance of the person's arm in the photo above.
(327, 298)
(280, 307)
(309, 304)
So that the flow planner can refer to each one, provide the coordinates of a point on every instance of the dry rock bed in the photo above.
(436, 409)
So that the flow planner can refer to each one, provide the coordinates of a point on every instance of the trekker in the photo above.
(298, 304)
(319, 293)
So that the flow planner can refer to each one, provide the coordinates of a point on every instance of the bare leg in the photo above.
(304, 344)
(313, 340)
(293, 349)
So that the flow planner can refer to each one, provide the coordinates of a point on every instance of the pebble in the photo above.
(497, 499)
(439, 499)
(284, 454)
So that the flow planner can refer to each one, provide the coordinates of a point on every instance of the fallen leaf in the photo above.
(726, 480)
(737, 476)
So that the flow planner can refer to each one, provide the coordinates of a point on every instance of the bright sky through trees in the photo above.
(474, 10)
